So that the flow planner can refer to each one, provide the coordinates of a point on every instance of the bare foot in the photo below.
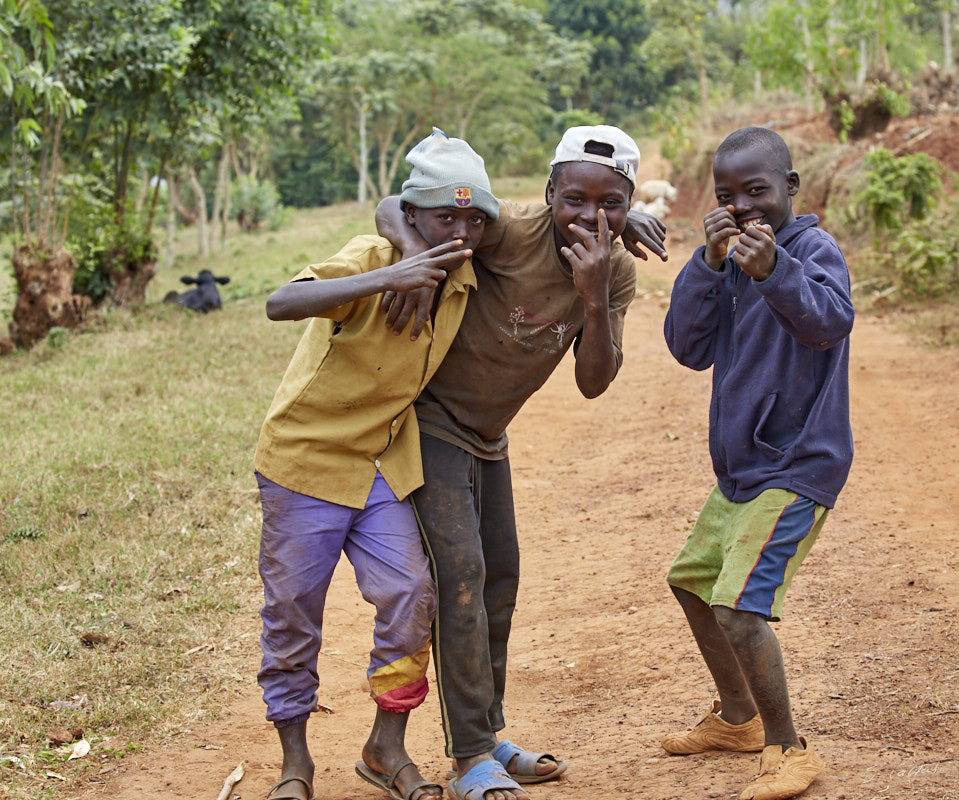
(384, 763)
(385, 750)
(296, 777)
(543, 767)
(291, 787)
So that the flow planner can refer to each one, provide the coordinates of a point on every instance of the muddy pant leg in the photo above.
(501, 554)
(392, 572)
(301, 543)
(449, 509)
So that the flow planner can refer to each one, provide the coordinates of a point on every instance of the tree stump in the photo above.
(45, 298)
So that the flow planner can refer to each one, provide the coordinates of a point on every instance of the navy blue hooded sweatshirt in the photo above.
(779, 349)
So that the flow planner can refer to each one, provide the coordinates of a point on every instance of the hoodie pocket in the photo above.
(775, 432)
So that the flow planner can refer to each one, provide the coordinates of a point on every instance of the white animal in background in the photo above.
(648, 191)
(658, 207)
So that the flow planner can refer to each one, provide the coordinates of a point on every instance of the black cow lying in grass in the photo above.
(205, 297)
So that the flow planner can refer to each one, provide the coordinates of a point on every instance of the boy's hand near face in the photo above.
(428, 269)
(720, 226)
(756, 252)
(589, 260)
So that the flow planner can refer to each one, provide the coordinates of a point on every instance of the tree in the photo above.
(168, 83)
(679, 40)
(399, 69)
(843, 54)
(619, 80)
(38, 104)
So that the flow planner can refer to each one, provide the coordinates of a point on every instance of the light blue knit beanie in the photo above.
(448, 173)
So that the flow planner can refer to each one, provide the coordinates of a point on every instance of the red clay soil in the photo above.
(601, 663)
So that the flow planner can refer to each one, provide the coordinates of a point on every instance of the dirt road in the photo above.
(601, 663)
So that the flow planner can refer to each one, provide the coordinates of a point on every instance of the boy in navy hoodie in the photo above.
(771, 314)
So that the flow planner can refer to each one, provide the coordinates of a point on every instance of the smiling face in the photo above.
(758, 186)
(446, 224)
(577, 190)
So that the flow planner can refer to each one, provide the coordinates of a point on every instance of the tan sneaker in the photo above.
(783, 775)
(712, 732)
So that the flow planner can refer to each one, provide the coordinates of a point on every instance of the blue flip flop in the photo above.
(526, 763)
(484, 777)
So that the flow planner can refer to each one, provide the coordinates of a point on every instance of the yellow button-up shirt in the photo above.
(344, 409)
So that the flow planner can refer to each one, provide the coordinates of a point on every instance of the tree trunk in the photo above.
(217, 202)
(364, 156)
(703, 90)
(809, 80)
(188, 215)
(170, 219)
(199, 199)
(45, 298)
(227, 201)
(142, 190)
(948, 65)
(863, 65)
(129, 280)
(882, 52)
(122, 177)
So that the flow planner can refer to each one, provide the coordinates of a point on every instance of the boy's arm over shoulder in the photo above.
(366, 266)
(694, 312)
(808, 291)
(497, 230)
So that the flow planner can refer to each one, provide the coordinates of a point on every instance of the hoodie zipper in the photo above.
(732, 359)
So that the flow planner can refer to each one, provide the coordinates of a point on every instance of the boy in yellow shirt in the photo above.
(339, 453)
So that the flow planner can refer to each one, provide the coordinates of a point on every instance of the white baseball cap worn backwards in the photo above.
(625, 158)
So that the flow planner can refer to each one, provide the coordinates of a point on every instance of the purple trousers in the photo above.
(301, 543)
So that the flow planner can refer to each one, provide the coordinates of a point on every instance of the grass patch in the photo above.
(129, 517)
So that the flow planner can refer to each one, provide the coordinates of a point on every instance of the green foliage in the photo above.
(926, 257)
(898, 189)
(26, 533)
(915, 240)
(480, 69)
(619, 80)
(823, 44)
(847, 116)
(36, 103)
(311, 168)
(896, 103)
(255, 202)
(105, 249)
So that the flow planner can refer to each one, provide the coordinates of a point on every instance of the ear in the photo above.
(224, 279)
(410, 211)
(188, 279)
(792, 182)
(550, 192)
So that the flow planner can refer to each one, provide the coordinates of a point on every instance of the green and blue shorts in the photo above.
(744, 555)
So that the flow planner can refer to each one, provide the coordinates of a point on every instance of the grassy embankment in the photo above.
(129, 518)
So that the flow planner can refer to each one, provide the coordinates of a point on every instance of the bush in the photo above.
(254, 202)
(899, 189)
(104, 250)
(925, 256)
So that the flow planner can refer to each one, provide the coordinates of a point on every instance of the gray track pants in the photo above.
(466, 511)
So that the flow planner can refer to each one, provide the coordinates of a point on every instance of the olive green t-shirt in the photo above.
(522, 319)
